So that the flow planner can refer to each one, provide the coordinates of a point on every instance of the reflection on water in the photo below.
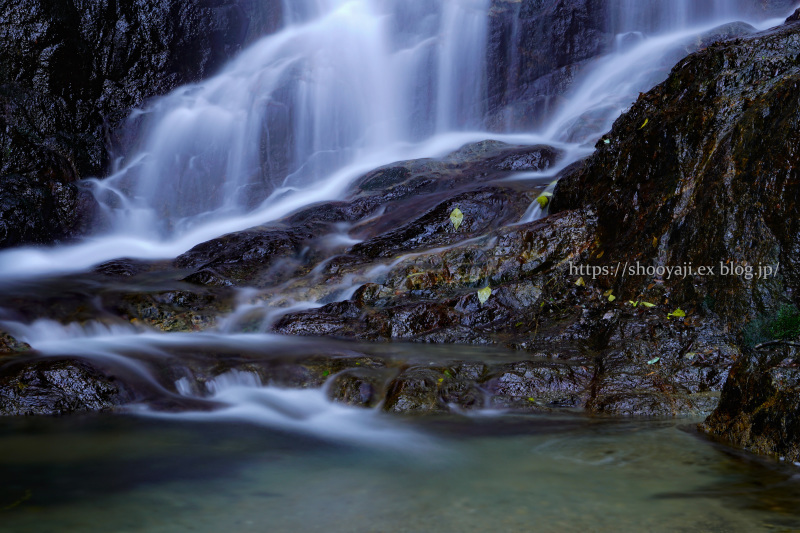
(531, 473)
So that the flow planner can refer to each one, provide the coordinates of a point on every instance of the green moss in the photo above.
(782, 325)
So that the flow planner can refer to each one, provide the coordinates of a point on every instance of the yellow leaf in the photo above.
(611, 298)
(609, 291)
(601, 254)
(484, 294)
(645, 123)
(648, 304)
(655, 242)
(456, 217)
(678, 313)
(580, 282)
(543, 201)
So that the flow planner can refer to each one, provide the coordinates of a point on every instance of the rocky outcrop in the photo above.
(392, 210)
(57, 387)
(70, 72)
(703, 170)
(760, 404)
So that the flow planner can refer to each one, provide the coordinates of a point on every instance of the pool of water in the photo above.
(489, 473)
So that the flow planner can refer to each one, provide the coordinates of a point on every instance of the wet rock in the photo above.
(58, 387)
(721, 33)
(416, 390)
(540, 384)
(11, 346)
(535, 50)
(362, 387)
(659, 204)
(760, 403)
(173, 310)
(394, 209)
(535, 158)
(794, 17)
(69, 76)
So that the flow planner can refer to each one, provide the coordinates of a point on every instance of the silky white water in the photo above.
(346, 86)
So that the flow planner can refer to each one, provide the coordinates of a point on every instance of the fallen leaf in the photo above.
(580, 282)
(543, 201)
(678, 313)
(654, 361)
(484, 294)
(611, 298)
(648, 304)
(456, 217)
(645, 123)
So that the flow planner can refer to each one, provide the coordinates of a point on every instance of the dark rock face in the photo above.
(702, 170)
(760, 404)
(57, 387)
(535, 50)
(70, 73)
(414, 200)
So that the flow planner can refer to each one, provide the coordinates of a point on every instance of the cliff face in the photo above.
(71, 71)
(535, 50)
(705, 169)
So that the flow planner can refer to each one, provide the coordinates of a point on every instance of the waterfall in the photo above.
(347, 86)
(343, 78)
(344, 87)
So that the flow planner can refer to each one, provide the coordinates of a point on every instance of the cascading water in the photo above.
(346, 86)
(343, 79)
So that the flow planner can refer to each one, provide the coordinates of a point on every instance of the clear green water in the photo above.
(531, 473)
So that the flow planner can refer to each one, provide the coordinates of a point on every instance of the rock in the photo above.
(416, 390)
(11, 346)
(794, 17)
(58, 387)
(70, 74)
(415, 199)
(540, 385)
(362, 387)
(659, 204)
(267, 254)
(722, 33)
(173, 310)
(760, 404)
(535, 50)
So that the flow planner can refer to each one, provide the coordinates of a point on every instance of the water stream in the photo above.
(345, 87)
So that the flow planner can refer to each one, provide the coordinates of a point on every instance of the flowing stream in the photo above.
(345, 87)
